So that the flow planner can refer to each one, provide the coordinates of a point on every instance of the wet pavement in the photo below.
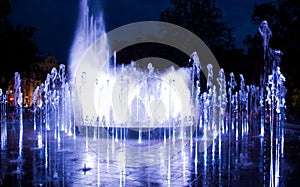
(48, 158)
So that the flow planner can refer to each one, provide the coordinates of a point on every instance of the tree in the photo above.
(5, 8)
(283, 18)
(201, 17)
(17, 48)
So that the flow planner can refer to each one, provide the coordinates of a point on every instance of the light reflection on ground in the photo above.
(72, 163)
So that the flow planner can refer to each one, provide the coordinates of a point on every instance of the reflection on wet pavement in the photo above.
(49, 159)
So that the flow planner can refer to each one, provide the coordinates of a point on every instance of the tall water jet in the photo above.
(85, 68)
(35, 105)
(90, 27)
(18, 103)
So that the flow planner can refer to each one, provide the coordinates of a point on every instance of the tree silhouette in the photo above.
(5, 8)
(284, 20)
(17, 48)
(201, 17)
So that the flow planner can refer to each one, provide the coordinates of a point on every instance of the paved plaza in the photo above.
(64, 160)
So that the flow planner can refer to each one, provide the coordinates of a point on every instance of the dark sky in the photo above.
(56, 19)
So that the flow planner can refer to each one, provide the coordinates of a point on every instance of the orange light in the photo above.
(11, 99)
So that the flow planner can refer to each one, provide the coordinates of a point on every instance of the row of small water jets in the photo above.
(247, 110)
(54, 98)
(237, 109)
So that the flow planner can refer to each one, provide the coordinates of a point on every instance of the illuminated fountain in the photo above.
(141, 117)
(129, 98)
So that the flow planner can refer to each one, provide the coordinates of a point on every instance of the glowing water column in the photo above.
(274, 103)
(3, 100)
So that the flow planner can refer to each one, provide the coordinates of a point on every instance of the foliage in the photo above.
(17, 48)
(284, 20)
(201, 17)
(295, 97)
(294, 105)
(5, 8)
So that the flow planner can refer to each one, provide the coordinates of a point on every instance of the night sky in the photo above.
(56, 20)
